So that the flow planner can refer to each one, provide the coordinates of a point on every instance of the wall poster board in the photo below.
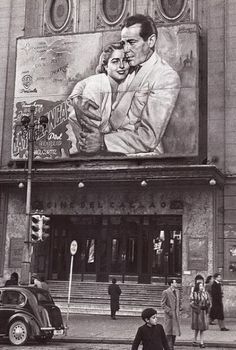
(16, 248)
(154, 113)
(197, 253)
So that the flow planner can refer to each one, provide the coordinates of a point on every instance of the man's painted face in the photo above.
(136, 49)
(117, 66)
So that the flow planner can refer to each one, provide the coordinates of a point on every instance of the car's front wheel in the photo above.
(18, 332)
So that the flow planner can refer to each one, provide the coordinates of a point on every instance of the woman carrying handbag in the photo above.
(200, 304)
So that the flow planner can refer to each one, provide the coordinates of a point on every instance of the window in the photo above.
(172, 10)
(13, 298)
(58, 14)
(113, 10)
(44, 297)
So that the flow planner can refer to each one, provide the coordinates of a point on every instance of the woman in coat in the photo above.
(200, 303)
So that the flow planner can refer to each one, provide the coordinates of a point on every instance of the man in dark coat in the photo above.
(114, 291)
(217, 310)
(13, 281)
(151, 334)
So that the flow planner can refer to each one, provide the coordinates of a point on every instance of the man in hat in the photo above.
(35, 281)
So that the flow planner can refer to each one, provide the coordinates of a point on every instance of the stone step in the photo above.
(96, 298)
(125, 284)
(101, 309)
(92, 297)
(81, 288)
(136, 289)
(138, 294)
(106, 301)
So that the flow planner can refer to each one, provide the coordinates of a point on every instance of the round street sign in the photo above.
(73, 247)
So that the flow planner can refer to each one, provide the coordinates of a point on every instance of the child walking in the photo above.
(151, 334)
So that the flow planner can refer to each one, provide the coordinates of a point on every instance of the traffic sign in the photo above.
(73, 247)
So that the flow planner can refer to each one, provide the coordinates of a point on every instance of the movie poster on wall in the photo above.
(152, 112)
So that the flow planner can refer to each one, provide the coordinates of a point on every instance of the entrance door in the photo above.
(146, 247)
(123, 245)
(59, 263)
(85, 230)
(92, 235)
(64, 231)
(160, 248)
(166, 247)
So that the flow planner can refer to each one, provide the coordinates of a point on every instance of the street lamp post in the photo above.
(28, 122)
(26, 258)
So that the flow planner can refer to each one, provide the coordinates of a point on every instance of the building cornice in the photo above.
(184, 174)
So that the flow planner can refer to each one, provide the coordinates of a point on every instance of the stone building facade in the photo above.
(129, 202)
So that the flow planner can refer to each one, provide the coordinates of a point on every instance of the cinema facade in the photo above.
(142, 225)
(141, 216)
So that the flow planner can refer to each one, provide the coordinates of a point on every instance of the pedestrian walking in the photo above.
(200, 304)
(170, 302)
(217, 309)
(208, 285)
(114, 291)
(151, 334)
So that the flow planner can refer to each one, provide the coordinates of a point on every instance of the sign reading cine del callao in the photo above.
(151, 111)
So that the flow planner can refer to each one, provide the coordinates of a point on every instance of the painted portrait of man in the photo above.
(140, 113)
(135, 97)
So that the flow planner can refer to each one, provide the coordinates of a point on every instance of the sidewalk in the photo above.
(102, 329)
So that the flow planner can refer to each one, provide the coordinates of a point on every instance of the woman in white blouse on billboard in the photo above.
(102, 89)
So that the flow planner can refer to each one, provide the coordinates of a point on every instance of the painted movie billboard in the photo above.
(147, 110)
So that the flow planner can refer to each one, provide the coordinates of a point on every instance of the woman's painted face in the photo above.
(117, 66)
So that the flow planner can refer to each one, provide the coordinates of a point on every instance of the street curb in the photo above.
(221, 345)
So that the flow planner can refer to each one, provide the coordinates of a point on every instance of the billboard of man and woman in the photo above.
(129, 93)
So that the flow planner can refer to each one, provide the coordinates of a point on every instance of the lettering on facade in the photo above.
(176, 204)
(88, 205)
(40, 205)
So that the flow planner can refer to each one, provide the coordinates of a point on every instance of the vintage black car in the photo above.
(28, 313)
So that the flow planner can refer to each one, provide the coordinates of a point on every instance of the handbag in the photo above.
(196, 308)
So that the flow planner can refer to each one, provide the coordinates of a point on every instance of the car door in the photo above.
(6, 310)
